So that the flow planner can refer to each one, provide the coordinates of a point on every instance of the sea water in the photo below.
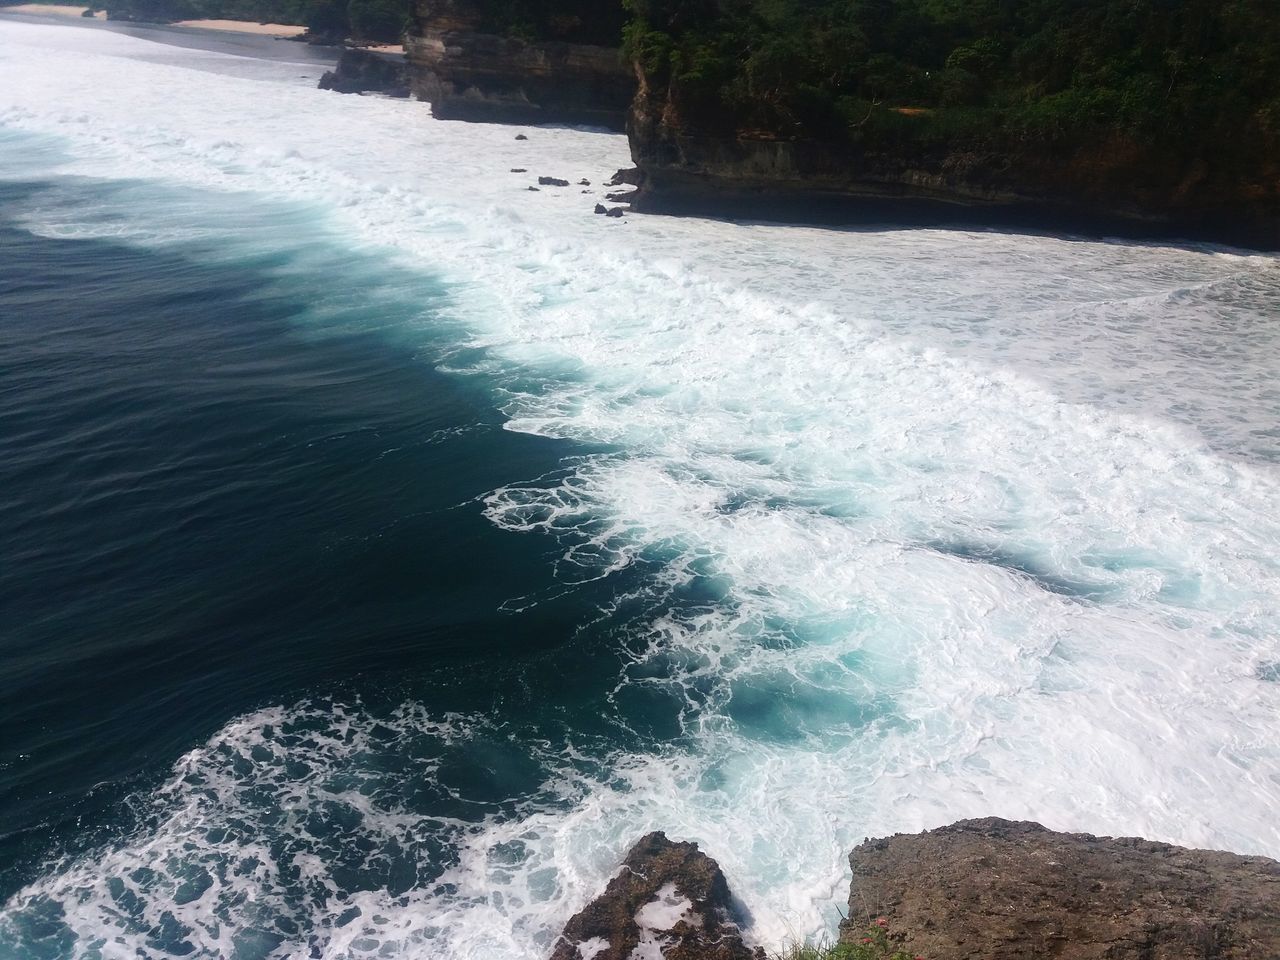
(387, 546)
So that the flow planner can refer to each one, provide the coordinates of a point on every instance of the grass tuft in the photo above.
(874, 943)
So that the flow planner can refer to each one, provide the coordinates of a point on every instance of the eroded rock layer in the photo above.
(368, 71)
(467, 72)
(999, 890)
(1111, 186)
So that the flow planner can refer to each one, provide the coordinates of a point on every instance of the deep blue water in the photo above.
(229, 481)
(308, 651)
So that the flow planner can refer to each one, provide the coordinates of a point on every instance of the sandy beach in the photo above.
(244, 26)
(235, 26)
(51, 9)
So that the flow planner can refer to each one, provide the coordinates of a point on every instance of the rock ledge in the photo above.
(1000, 890)
(667, 900)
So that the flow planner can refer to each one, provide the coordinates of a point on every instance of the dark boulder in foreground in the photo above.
(998, 890)
(668, 898)
(368, 71)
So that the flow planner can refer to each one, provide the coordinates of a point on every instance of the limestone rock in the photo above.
(467, 73)
(368, 71)
(631, 176)
(669, 899)
(999, 890)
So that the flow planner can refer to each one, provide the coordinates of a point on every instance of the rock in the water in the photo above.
(584, 183)
(631, 176)
(368, 71)
(999, 890)
(552, 182)
(521, 136)
(533, 189)
(519, 170)
(616, 212)
(622, 196)
(668, 899)
(601, 208)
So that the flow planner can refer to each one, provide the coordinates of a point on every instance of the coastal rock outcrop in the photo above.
(368, 71)
(1161, 120)
(1001, 890)
(1108, 186)
(668, 900)
(468, 70)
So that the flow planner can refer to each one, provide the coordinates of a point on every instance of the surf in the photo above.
(895, 527)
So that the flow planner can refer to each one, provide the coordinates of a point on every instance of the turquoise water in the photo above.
(388, 546)
(231, 480)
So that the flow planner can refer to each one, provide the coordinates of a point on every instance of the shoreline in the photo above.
(54, 10)
(284, 30)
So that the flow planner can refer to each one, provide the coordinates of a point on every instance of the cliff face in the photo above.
(367, 71)
(1148, 115)
(975, 890)
(693, 163)
(468, 72)
(1015, 891)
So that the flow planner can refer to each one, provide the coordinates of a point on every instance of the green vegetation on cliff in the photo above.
(1193, 73)
(573, 21)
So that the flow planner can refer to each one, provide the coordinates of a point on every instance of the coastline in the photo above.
(284, 30)
(287, 31)
(988, 887)
(784, 261)
(53, 10)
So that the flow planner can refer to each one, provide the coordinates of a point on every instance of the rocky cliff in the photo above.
(1001, 890)
(976, 890)
(468, 70)
(1112, 184)
(1142, 117)
(368, 71)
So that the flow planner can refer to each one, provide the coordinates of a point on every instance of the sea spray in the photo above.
(897, 526)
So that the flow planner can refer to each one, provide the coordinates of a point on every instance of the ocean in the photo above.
(387, 546)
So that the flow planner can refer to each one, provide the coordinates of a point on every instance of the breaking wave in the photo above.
(901, 527)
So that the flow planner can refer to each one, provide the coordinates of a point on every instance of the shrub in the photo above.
(874, 943)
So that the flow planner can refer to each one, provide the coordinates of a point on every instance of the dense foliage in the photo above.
(573, 21)
(1181, 71)
(382, 20)
(1186, 73)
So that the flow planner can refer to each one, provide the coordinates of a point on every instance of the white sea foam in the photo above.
(988, 523)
